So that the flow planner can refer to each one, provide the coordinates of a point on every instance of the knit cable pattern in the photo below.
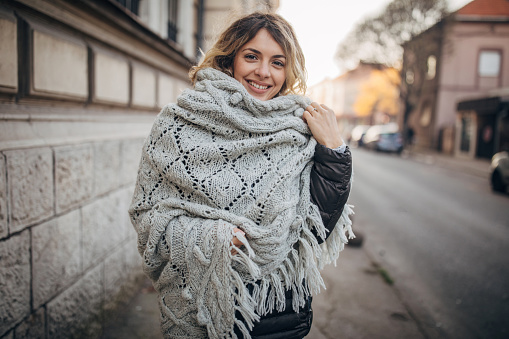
(216, 160)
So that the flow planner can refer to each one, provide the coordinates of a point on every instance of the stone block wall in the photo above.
(68, 249)
(81, 82)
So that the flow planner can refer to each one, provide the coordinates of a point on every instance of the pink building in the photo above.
(463, 56)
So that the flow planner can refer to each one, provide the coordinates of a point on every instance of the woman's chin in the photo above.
(263, 96)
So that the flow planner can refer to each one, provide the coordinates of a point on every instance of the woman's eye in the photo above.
(279, 63)
(250, 56)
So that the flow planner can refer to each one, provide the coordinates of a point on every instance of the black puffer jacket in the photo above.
(330, 188)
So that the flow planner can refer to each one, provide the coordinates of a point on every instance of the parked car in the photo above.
(357, 135)
(499, 169)
(384, 138)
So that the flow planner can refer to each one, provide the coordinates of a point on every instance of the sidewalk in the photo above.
(138, 320)
(358, 303)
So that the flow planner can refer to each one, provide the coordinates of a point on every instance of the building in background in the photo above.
(367, 95)
(464, 56)
(193, 25)
(81, 82)
(219, 14)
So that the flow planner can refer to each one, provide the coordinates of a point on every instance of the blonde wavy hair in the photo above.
(222, 54)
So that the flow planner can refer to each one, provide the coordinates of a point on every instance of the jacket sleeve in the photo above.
(330, 184)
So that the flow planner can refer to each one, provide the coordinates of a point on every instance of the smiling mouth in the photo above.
(255, 85)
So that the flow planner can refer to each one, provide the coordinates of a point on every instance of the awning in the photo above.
(492, 102)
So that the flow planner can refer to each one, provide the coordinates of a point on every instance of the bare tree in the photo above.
(378, 39)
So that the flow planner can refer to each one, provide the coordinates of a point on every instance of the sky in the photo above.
(321, 25)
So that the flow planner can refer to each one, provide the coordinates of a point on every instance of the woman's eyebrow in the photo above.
(258, 52)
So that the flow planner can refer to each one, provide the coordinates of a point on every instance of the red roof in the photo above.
(486, 8)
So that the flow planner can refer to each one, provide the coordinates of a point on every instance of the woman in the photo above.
(239, 184)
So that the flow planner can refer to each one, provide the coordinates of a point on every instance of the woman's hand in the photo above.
(235, 240)
(322, 123)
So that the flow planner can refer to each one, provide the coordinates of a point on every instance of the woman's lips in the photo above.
(257, 86)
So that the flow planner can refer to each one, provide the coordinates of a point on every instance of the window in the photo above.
(432, 67)
(489, 63)
(131, 5)
(409, 77)
(172, 20)
(199, 32)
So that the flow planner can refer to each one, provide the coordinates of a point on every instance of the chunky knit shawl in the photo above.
(216, 160)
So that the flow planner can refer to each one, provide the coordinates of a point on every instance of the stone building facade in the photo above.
(81, 82)
(465, 55)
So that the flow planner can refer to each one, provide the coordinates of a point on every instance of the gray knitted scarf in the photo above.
(216, 160)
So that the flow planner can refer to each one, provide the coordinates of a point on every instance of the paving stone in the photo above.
(139, 318)
(358, 303)
(102, 229)
(33, 327)
(4, 230)
(14, 280)
(106, 166)
(56, 256)
(74, 175)
(30, 182)
(130, 154)
(76, 313)
(115, 276)
(133, 262)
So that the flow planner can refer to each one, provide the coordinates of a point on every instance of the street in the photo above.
(442, 236)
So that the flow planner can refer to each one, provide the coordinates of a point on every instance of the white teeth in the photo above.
(257, 86)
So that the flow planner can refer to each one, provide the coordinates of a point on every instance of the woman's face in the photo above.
(260, 66)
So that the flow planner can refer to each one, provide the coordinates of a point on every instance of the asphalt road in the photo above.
(444, 239)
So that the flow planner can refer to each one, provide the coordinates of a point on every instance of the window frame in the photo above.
(132, 6)
(500, 68)
(431, 75)
(172, 20)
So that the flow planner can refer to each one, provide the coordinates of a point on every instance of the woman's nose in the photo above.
(263, 70)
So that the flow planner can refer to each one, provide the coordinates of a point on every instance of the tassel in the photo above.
(262, 300)
(245, 261)
(244, 242)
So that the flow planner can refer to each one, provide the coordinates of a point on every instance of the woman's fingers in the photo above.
(306, 115)
(313, 108)
(326, 108)
(235, 241)
(322, 123)
(320, 109)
